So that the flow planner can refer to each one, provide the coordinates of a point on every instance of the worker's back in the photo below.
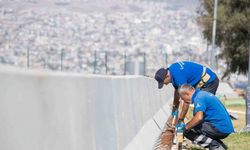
(188, 72)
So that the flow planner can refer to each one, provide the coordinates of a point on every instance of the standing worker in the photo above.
(190, 73)
(211, 121)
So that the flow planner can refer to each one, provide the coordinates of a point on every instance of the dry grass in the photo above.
(238, 141)
(241, 122)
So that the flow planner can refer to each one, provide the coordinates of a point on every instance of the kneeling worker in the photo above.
(211, 121)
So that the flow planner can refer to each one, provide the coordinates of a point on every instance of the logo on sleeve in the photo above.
(181, 65)
(198, 105)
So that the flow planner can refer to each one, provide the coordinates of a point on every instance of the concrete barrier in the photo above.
(59, 111)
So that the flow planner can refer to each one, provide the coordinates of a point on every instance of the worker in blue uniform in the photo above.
(211, 121)
(192, 73)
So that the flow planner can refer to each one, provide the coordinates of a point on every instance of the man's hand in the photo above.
(175, 113)
(180, 127)
(180, 121)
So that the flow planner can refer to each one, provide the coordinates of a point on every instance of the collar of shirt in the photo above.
(194, 95)
(172, 80)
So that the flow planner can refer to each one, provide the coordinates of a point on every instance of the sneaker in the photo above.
(220, 148)
(218, 145)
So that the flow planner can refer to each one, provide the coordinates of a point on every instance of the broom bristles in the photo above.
(166, 138)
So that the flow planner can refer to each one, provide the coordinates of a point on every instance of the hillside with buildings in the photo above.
(78, 29)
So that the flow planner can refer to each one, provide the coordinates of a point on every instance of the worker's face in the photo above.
(187, 97)
(167, 79)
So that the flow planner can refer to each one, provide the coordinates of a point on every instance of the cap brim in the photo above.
(160, 85)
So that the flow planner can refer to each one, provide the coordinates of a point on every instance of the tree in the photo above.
(233, 31)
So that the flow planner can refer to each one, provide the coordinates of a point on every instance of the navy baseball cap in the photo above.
(160, 76)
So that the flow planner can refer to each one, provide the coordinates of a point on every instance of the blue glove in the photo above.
(180, 127)
(175, 113)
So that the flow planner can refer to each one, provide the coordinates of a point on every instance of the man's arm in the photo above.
(176, 101)
(184, 111)
(195, 120)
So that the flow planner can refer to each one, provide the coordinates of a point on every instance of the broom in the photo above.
(166, 139)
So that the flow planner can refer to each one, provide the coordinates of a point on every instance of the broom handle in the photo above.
(173, 121)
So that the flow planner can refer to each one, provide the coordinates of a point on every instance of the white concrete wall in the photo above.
(58, 111)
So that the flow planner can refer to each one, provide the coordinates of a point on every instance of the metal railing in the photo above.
(98, 62)
(95, 62)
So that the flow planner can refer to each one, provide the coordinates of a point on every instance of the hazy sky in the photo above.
(192, 4)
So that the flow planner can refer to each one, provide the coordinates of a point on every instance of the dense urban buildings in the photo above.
(85, 36)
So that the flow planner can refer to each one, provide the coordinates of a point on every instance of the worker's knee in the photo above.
(185, 133)
(189, 134)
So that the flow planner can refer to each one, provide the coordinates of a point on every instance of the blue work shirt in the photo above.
(188, 72)
(214, 111)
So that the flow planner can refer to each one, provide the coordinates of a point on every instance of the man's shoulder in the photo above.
(200, 101)
(177, 66)
(206, 97)
(203, 95)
